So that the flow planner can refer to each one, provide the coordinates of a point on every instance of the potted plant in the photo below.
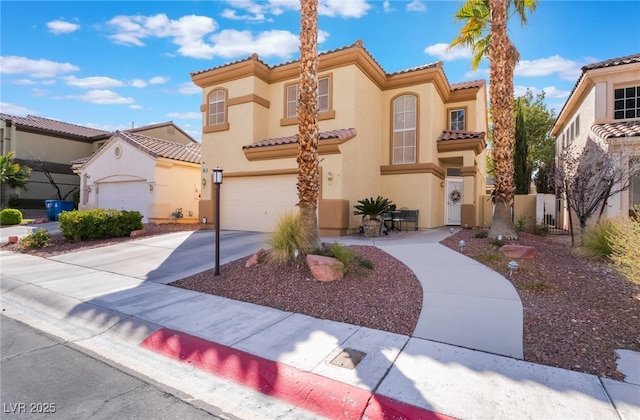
(372, 209)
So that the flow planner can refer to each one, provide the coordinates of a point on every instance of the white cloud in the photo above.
(61, 27)
(232, 43)
(39, 92)
(187, 32)
(23, 82)
(444, 53)
(386, 6)
(158, 80)
(35, 68)
(13, 109)
(343, 9)
(94, 82)
(135, 107)
(416, 6)
(103, 97)
(565, 69)
(188, 88)
(185, 115)
(138, 83)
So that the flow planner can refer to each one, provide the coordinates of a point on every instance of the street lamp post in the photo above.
(217, 181)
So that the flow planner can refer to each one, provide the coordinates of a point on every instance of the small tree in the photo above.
(522, 170)
(45, 168)
(591, 176)
(13, 174)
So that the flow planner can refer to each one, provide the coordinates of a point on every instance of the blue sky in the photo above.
(111, 64)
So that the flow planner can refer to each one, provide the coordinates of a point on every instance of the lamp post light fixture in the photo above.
(513, 266)
(462, 244)
(451, 231)
(217, 181)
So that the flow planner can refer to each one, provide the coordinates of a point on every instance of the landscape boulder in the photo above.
(325, 269)
(519, 251)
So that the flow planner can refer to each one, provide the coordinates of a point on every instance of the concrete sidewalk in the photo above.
(121, 309)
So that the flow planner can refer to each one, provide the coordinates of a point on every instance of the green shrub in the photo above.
(10, 217)
(347, 256)
(13, 202)
(596, 240)
(482, 234)
(288, 239)
(37, 239)
(625, 248)
(79, 225)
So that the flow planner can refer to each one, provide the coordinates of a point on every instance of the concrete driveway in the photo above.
(170, 257)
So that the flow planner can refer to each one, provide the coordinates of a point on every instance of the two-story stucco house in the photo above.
(410, 136)
(603, 110)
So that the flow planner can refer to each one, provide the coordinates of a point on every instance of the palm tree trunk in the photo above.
(308, 172)
(503, 60)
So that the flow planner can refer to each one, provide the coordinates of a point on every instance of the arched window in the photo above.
(217, 107)
(404, 129)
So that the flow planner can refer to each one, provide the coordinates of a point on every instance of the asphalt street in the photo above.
(45, 377)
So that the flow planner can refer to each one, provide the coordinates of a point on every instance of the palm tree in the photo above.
(503, 57)
(308, 172)
(13, 174)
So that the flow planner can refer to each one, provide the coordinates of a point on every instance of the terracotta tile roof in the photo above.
(161, 124)
(55, 126)
(617, 130)
(634, 58)
(162, 148)
(449, 135)
(343, 134)
(472, 84)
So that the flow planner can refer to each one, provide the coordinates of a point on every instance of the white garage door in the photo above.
(131, 196)
(256, 203)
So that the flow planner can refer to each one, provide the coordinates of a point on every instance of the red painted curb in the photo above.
(306, 390)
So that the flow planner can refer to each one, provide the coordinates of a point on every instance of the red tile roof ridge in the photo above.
(50, 124)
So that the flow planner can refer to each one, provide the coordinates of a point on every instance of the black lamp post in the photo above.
(217, 181)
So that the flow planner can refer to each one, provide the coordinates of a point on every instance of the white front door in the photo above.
(453, 200)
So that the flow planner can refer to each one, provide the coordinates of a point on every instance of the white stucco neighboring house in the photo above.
(603, 112)
(158, 178)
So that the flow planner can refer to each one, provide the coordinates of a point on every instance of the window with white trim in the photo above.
(217, 107)
(404, 129)
(323, 102)
(457, 119)
(626, 103)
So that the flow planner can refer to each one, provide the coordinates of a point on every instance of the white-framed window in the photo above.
(323, 102)
(457, 119)
(404, 129)
(217, 107)
(626, 103)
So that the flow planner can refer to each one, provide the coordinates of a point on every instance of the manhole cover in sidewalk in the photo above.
(348, 358)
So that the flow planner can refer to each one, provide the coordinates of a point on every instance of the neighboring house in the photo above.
(47, 146)
(409, 136)
(158, 178)
(603, 111)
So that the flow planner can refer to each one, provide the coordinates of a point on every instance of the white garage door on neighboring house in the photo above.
(256, 203)
(124, 195)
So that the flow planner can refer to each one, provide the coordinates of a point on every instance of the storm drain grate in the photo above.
(348, 358)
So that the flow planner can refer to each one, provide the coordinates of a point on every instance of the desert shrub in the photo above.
(36, 239)
(625, 248)
(482, 234)
(351, 260)
(540, 229)
(596, 240)
(288, 239)
(499, 242)
(10, 217)
(79, 225)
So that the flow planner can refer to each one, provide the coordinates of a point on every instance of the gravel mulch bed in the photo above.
(577, 311)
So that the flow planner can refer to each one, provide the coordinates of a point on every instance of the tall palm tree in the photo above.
(308, 172)
(13, 174)
(485, 31)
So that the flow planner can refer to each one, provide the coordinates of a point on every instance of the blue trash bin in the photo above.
(55, 207)
(51, 215)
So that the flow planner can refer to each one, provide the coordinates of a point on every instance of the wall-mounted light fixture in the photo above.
(330, 176)
(88, 189)
(150, 187)
(442, 183)
(204, 181)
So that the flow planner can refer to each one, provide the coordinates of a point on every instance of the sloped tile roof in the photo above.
(343, 134)
(161, 124)
(617, 130)
(55, 126)
(449, 135)
(634, 58)
(162, 148)
(471, 84)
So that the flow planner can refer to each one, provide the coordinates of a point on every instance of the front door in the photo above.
(453, 200)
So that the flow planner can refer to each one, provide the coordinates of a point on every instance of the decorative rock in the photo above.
(519, 251)
(256, 258)
(325, 269)
(135, 233)
(13, 239)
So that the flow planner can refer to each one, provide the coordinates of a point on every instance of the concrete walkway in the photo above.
(114, 302)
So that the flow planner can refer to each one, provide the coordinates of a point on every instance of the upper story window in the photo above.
(323, 102)
(217, 107)
(626, 103)
(457, 119)
(404, 129)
